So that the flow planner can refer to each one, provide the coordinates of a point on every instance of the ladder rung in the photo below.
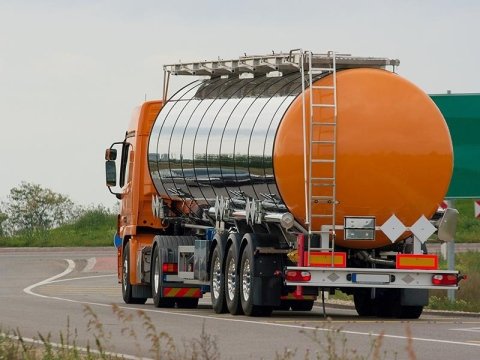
(321, 216)
(318, 123)
(323, 87)
(322, 197)
(328, 161)
(319, 232)
(321, 178)
(315, 70)
(324, 185)
(323, 141)
(324, 105)
(320, 249)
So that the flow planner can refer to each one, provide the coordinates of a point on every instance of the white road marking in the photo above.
(71, 266)
(68, 270)
(90, 264)
(467, 329)
(82, 278)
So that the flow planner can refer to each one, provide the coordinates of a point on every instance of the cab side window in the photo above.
(125, 163)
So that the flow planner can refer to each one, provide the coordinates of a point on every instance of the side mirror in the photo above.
(111, 154)
(111, 173)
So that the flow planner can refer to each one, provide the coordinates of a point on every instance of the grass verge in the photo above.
(94, 227)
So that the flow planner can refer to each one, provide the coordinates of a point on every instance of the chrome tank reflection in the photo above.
(216, 137)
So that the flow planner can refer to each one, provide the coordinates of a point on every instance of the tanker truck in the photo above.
(268, 181)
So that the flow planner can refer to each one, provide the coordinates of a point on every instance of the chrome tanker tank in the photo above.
(244, 138)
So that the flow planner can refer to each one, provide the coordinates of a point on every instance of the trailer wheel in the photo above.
(409, 312)
(302, 305)
(364, 305)
(217, 282)
(156, 281)
(232, 291)
(247, 285)
(126, 286)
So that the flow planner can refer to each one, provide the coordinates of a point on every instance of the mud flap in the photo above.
(413, 297)
(267, 288)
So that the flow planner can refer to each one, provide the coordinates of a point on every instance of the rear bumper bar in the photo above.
(371, 278)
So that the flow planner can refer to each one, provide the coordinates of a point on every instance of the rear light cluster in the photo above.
(298, 275)
(444, 279)
(170, 268)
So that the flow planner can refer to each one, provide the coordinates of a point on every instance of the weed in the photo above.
(329, 343)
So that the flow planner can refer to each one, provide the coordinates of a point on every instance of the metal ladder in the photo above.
(322, 158)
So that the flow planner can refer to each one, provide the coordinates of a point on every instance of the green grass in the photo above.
(467, 298)
(468, 229)
(94, 227)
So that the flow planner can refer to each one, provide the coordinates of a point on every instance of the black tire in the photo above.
(126, 286)
(393, 299)
(217, 282)
(284, 305)
(409, 312)
(246, 283)
(232, 291)
(187, 303)
(158, 299)
(364, 305)
(302, 305)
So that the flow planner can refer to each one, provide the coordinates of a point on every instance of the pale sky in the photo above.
(71, 72)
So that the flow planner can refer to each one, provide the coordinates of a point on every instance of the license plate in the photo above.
(371, 278)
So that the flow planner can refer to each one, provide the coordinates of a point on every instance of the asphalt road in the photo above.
(65, 291)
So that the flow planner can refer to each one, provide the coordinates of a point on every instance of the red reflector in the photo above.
(169, 268)
(444, 279)
(297, 275)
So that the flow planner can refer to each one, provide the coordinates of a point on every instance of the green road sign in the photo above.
(462, 113)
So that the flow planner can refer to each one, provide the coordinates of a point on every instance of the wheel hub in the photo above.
(216, 278)
(246, 280)
(231, 276)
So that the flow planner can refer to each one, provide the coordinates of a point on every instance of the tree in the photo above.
(3, 218)
(30, 208)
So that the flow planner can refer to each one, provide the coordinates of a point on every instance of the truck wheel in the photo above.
(246, 286)
(409, 312)
(302, 305)
(284, 305)
(232, 293)
(156, 281)
(126, 286)
(217, 282)
(364, 305)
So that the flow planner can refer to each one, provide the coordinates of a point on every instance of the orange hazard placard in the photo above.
(326, 259)
(418, 262)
